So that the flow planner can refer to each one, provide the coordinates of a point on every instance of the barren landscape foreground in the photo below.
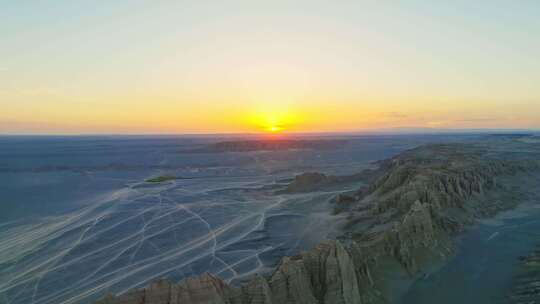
(334, 225)
(400, 227)
(438, 216)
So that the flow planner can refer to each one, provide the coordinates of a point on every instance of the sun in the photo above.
(275, 129)
(272, 121)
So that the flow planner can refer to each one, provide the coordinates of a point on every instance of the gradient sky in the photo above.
(245, 66)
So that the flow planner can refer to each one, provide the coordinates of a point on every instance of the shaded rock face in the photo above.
(427, 194)
(419, 199)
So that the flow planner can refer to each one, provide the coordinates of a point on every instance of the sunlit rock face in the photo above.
(326, 274)
(417, 201)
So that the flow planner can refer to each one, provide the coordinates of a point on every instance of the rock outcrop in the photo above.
(418, 201)
(313, 181)
(308, 181)
(326, 274)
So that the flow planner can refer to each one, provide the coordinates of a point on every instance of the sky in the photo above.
(140, 67)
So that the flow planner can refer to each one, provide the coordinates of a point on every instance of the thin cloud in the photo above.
(476, 120)
(395, 115)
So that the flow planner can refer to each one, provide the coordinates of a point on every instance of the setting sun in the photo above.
(273, 121)
(275, 129)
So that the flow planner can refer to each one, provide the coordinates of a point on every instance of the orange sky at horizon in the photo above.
(217, 118)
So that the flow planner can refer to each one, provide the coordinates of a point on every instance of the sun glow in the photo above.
(275, 129)
(273, 122)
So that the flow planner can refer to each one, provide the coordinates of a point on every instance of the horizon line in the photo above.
(391, 131)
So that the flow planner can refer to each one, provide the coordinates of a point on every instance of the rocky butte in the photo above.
(403, 220)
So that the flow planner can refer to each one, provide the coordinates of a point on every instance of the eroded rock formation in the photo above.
(326, 274)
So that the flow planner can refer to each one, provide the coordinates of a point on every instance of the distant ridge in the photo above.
(268, 145)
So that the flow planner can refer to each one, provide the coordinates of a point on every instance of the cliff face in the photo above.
(419, 199)
(427, 194)
(326, 274)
